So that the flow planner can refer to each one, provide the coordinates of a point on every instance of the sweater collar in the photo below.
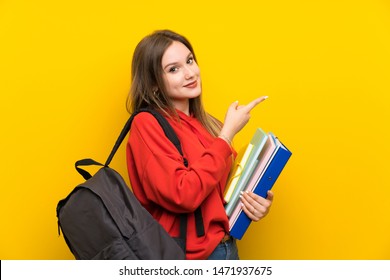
(185, 117)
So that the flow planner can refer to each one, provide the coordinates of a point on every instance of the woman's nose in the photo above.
(189, 72)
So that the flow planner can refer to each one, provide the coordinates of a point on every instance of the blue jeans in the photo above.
(225, 251)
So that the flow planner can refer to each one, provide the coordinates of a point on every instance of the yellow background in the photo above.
(325, 65)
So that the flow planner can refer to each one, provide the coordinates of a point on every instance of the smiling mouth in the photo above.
(191, 85)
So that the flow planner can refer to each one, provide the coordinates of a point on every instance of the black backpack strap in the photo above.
(84, 162)
(168, 130)
(199, 222)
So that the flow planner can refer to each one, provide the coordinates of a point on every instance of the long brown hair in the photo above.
(147, 76)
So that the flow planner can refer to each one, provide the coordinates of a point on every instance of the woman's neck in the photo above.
(183, 106)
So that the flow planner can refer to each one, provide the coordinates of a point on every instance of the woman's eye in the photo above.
(190, 60)
(173, 69)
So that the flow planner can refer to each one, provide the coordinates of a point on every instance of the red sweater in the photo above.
(165, 187)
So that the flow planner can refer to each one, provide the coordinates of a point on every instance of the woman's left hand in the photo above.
(255, 206)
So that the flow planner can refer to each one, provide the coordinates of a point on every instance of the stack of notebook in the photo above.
(256, 169)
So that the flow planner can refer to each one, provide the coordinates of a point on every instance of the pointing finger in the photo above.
(255, 102)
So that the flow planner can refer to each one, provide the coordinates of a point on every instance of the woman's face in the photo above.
(181, 75)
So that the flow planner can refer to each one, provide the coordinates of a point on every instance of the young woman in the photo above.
(166, 77)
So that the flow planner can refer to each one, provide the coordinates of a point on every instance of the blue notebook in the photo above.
(265, 183)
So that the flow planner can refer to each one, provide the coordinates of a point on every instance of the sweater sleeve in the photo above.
(164, 178)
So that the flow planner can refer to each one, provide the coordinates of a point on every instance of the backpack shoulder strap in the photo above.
(168, 130)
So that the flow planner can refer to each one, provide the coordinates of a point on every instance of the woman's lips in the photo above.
(191, 85)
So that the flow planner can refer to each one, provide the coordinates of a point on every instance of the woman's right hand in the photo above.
(237, 117)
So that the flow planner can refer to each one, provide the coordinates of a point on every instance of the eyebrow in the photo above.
(174, 63)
